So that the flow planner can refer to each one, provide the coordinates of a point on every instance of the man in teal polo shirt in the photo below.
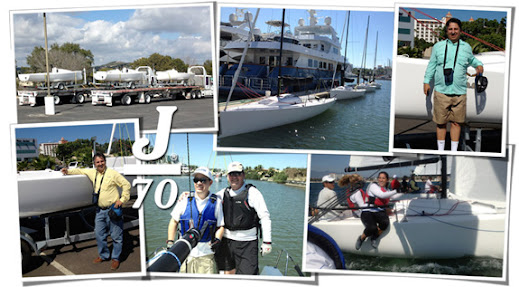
(448, 66)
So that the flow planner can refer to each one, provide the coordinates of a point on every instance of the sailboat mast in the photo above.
(375, 61)
(363, 67)
(111, 138)
(346, 48)
(337, 64)
(281, 51)
(238, 70)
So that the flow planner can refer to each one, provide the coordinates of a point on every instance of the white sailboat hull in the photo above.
(470, 230)
(256, 116)
(410, 101)
(346, 93)
(126, 75)
(375, 85)
(366, 87)
(47, 191)
(55, 76)
(173, 75)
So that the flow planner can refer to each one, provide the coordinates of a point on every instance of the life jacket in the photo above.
(375, 201)
(204, 221)
(237, 213)
(351, 204)
(381, 201)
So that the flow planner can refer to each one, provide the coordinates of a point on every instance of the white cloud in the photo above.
(182, 32)
(183, 20)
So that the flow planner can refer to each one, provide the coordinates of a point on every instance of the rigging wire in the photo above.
(188, 162)
(464, 33)
(341, 199)
(464, 227)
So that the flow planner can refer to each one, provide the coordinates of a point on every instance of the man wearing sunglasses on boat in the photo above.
(448, 67)
(245, 212)
(106, 182)
(201, 210)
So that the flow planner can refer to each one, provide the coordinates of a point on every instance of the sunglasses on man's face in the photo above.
(202, 180)
(235, 173)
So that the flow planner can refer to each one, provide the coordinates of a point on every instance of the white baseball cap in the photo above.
(204, 171)
(328, 178)
(235, 167)
(394, 176)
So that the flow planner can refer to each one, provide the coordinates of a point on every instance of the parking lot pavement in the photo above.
(194, 113)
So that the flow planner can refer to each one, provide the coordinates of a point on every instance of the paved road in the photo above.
(76, 259)
(195, 113)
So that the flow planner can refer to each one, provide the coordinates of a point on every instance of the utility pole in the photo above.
(49, 99)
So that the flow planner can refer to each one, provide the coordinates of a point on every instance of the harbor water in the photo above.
(468, 266)
(286, 205)
(360, 124)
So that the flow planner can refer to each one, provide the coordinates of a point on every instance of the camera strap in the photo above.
(100, 183)
(455, 57)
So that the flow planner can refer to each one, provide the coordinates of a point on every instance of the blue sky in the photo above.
(121, 34)
(200, 145)
(383, 22)
(463, 15)
(71, 133)
(112, 16)
(201, 153)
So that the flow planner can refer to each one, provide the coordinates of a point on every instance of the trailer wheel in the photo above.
(57, 100)
(61, 86)
(80, 98)
(147, 98)
(126, 100)
(26, 255)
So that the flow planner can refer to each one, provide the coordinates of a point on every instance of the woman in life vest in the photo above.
(372, 203)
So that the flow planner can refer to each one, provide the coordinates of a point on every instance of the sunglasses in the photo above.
(202, 180)
(235, 173)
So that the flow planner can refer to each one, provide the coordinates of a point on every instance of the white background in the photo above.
(9, 249)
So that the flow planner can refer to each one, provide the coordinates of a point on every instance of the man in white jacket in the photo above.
(244, 212)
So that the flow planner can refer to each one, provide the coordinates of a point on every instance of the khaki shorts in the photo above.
(449, 108)
(199, 265)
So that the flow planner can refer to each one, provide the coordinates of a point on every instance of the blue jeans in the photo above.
(104, 226)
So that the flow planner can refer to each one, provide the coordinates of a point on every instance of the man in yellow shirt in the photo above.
(105, 183)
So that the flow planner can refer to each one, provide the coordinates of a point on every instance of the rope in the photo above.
(248, 92)
(342, 198)
(128, 133)
(188, 162)
(120, 141)
(421, 23)
(464, 33)
(464, 227)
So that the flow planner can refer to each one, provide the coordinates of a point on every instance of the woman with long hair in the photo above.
(372, 204)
